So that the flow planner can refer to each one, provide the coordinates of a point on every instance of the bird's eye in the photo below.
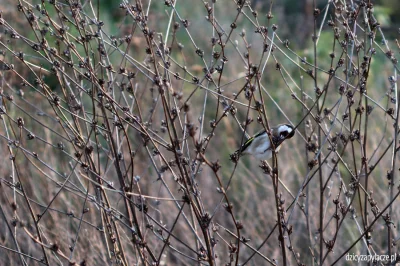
(283, 134)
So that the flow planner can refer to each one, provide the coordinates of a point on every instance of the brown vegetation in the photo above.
(116, 136)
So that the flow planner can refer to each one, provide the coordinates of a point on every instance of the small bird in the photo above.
(260, 147)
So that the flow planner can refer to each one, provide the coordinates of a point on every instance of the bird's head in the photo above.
(282, 132)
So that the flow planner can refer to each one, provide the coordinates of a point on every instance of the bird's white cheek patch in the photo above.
(286, 128)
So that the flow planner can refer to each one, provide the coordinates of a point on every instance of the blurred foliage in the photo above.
(293, 20)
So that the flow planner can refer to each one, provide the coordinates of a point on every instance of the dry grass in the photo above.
(116, 137)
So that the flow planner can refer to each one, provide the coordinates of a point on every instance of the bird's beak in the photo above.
(291, 134)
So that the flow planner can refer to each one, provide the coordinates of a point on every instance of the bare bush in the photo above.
(118, 137)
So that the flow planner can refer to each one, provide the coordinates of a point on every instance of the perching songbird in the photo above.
(260, 147)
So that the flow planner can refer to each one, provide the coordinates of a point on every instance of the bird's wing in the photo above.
(250, 140)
